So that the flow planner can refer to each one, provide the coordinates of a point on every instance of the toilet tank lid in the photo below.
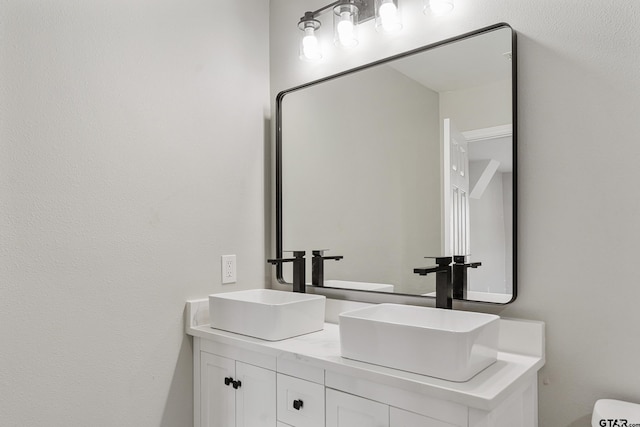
(607, 409)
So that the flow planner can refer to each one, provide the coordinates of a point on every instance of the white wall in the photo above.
(579, 98)
(468, 107)
(331, 168)
(132, 155)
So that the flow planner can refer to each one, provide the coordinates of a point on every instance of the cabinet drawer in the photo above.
(300, 403)
(402, 418)
(346, 410)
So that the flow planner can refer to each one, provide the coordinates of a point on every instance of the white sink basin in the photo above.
(266, 313)
(446, 344)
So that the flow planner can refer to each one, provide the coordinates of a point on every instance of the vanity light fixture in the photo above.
(438, 7)
(347, 15)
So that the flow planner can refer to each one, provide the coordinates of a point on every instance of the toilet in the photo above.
(615, 413)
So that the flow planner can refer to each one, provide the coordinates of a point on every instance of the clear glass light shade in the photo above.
(309, 45)
(345, 25)
(387, 16)
(438, 7)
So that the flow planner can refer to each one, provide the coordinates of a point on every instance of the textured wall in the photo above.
(579, 99)
(132, 141)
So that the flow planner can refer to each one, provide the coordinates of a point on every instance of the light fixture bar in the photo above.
(315, 13)
(366, 9)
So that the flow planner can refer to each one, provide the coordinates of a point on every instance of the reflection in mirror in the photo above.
(407, 158)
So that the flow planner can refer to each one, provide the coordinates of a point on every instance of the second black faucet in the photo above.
(317, 266)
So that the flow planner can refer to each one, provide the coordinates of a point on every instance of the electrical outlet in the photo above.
(228, 269)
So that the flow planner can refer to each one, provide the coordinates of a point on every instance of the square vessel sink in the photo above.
(266, 313)
(446, 344)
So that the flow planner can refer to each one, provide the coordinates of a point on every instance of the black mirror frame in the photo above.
(514, 80)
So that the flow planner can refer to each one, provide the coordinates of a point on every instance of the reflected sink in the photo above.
(446, 344)
(267, 314)
(360, 286)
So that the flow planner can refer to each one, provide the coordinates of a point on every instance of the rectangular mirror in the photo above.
(408, 157)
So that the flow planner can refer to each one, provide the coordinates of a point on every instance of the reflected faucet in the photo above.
(298, 269)
(459, 276)
(317, 266)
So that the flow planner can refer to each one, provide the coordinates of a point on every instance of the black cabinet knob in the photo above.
(237, 384)
(228, 380)
(297, 404)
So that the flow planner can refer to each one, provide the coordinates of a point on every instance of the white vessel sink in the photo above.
(446, 344)
(266, 313)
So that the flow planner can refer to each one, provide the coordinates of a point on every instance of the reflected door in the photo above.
(456, 191)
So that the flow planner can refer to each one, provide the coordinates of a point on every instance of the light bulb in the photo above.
(346, 30)
(439, 7)
(345, 19)
(309, 47)
(388, 17)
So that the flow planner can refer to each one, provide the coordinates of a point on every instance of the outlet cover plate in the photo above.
(228, 269)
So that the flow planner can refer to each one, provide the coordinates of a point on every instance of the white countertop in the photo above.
(322, 350)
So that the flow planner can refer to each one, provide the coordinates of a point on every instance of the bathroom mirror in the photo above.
(405, 158)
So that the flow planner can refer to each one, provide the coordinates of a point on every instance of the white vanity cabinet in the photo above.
(304, 382)
(232, 393)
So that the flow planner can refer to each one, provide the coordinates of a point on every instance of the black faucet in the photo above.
(444, 288)
(299, 275)
(459, 277)
(451, 279)
(317, 266)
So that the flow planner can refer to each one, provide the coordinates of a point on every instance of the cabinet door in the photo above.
(346, 410)
(402, 418)
(256, 396)
(217, 400)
